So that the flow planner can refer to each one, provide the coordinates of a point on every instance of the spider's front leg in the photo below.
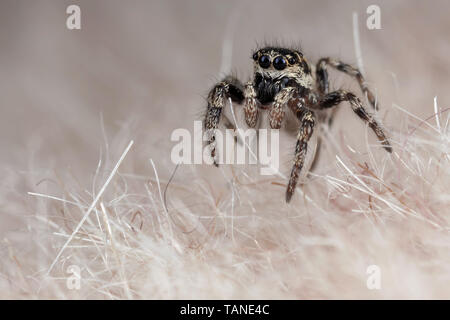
(276, 114)
(250, 105)
(290, 97)
(334, 98)
(228, 88)
(307, 122)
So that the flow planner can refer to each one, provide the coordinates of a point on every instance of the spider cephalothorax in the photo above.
(283, 79)
(278, 68)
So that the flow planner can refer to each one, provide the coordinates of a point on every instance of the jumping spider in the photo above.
(283, 78)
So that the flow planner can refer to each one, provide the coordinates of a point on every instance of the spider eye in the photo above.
(255, 56)
(264, 61)
(291, 60)
(279, 63)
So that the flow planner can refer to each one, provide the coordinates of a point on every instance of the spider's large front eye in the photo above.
(279, 63)
(264, 61)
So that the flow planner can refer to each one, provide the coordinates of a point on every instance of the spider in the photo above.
(285, 82)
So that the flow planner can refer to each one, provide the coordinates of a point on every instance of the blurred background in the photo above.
(152, 63)
(139, 69)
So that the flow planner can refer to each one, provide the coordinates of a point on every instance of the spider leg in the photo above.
(307, 122)
(276, 114)
(323, 86)
(334, 98)
(250, 105)
(323, 83)
(228, 88)
(322, 77)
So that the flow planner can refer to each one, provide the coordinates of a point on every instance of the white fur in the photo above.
(227, 232)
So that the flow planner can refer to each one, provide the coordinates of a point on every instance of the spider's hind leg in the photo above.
(322, 77)
(334, 98)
